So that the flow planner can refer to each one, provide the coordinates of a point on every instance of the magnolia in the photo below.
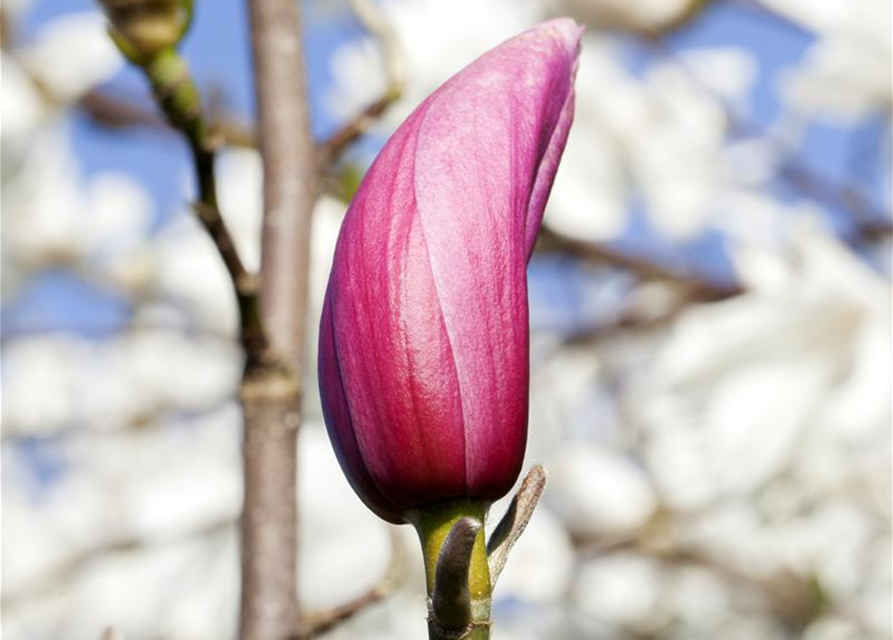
(423, 348)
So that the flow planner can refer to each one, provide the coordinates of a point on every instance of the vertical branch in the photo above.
(271, 389)
(289, 168)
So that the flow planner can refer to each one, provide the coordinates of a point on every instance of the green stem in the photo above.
(433, 524)
(180, 100)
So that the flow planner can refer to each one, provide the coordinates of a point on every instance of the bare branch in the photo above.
(271, 387)
(870, 223)
(318, 624)
(114, 111)
(179, 99)
(290, 180)
(515, 520)
(371, 17)
(696, 286)
(117, 112)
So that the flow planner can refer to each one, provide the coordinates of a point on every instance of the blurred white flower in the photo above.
(172, 491)
(597, 492)
(663, 135)
(541, 563)
(700, 599)
(621, 588)
(71, 54)
(101, 224)
(675, 149)
(39, 393)
(831, 628)
(846, 74)
(428, 31)
(240, 184)
(730, 72)
(590, 196)
(636, 15)
(68, 56)
(738, 382)
(564, 389)
(55, 382)
(344, 550)
(190, 273)
(22, 106)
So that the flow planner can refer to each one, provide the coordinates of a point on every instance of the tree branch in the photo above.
(372, 19)
(115, 111)
(696, 286)
(180, 101)
(271, 388)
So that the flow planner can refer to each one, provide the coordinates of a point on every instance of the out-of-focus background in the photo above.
(710, 308)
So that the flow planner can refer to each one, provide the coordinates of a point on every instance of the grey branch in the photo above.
(271, 387)
(515, 520)
(695, 285)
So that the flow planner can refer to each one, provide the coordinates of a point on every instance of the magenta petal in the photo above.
(427, 301)
(340, 424)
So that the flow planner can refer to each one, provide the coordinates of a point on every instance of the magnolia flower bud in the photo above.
(423, 348)
(142, 28)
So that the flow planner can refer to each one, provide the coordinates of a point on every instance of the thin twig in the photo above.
(271, 388)
(869, 222)
(696, 286)
(179, 99)
(320, 623)
(372, 19)
(116, 111)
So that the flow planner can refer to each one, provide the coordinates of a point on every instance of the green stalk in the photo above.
(180, 100)
(433, 524)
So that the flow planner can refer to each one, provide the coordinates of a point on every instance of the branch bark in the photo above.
(271, 389)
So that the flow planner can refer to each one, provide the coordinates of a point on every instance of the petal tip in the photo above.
(569, 32)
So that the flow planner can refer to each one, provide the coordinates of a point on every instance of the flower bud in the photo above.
(142, 28)
(423, 347)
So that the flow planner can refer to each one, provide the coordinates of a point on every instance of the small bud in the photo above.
(142, 28)
(451, 600)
